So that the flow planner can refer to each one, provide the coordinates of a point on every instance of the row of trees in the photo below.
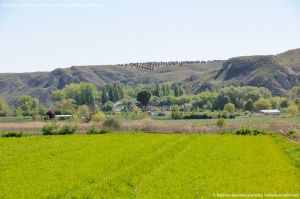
(155, 65)
(125, 98)
(118, 97)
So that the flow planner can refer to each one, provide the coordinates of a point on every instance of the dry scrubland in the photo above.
(135, 165)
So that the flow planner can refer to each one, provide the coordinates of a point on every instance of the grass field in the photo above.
(137, 165)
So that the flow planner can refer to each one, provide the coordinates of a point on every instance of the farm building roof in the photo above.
(271, 111)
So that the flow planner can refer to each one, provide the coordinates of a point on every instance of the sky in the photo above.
(42, 35)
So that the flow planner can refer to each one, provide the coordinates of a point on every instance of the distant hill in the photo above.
(279, 73)
(41, 84)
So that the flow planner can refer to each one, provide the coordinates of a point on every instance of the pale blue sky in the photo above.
(42, 39)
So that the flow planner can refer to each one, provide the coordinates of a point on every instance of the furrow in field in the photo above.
(171, 160)
(132, 156)
(123, 182)
(99, 157)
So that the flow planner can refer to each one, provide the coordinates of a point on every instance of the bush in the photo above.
(98, 117)
(262, 104)
(231, 116)
(175, 112)
(11, 134)
(108, 106)
(229, 107)
(192, 116)
(112, 123)
(36, 117)
(293, 110)
(95, 130)
(221, 122)
(52, 128)
(68, 128)
(249, 131)
(198, 116)
(84, 113)
(291, 132)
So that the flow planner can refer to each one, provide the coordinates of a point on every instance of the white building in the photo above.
(270, 112)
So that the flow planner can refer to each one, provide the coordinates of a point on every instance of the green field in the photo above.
(145, 166)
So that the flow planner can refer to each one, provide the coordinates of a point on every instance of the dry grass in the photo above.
(28, 126)
(149, 125)
(34, 126)
(157, 126)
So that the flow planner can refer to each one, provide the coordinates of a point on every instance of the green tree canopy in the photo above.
(115, 92)
(28, 106)
(263, 104)
(5, 109)
(178, 90)
(143, 97)
(229, 107)
(82, 94)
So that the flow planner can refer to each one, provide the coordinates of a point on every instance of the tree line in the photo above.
(156, 65)
(86, 97)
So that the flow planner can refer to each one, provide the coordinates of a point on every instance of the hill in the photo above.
(279, 73)
(41, 84)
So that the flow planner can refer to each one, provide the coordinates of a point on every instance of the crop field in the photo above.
(136, 165)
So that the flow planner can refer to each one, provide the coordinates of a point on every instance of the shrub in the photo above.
(51, 128)
(221, 122)
(231, 116)
(36, 117)
(84, 113)
(293, 110)
(229, 107)
(11, 134)
(95, 130)
(108, 106)
(291, 132)
(192, 116)
(98, 117)
(161, 114)
(243, 131)
(92, 130)
(68, 128)
(258, 132)
(249, 131)
(112, 123)
(206, 116)
(262, 104)
(284, 103)
(175, 112)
